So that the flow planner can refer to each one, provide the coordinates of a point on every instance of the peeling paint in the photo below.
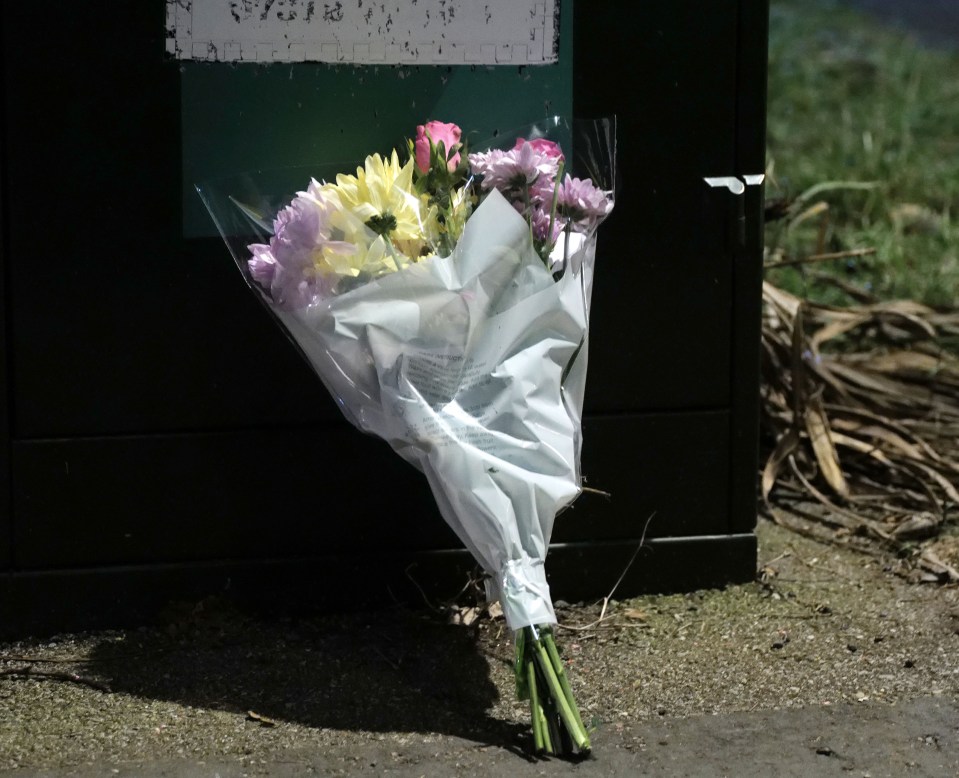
(510, 32)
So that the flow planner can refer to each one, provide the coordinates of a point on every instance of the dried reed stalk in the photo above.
(860, 408)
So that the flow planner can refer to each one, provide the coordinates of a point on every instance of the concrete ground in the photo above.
(919, 738)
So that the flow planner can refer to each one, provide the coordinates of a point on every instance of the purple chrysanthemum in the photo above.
(540, 222)
(516, 169)
(287, 266)
(582, 202)
(262, 265)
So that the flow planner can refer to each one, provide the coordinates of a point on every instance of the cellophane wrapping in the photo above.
(471, 363)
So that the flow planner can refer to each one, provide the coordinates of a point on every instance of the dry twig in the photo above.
(29, 672)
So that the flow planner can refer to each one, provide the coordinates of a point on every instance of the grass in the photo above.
(851, 100)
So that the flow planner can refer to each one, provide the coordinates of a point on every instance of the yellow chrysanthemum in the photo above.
(461, 208)
(371, 254)
(444, 226)
(381, 197)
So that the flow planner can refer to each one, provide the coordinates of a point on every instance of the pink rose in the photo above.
(448, 134)
(542, 146)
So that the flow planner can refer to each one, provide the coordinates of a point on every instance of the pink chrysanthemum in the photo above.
(539, 221)
(514, 170)
(548, 147)
(582, 202)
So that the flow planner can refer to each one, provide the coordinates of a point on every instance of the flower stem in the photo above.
(557, 726)
(559, 696)
(545, 729)
(552, 210)
(563, 677)
(536, 710)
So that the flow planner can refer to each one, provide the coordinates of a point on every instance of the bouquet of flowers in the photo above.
(442, 296)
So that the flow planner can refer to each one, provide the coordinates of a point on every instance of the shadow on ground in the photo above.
(393, 671)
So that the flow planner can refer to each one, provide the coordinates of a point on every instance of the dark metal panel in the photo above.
(285, 492)
(124, 328)
(661, 321)
(668, 469)
(144, 311)
(43, 603)
(748, 271)
(753, 35)
(157, 352)
(230, 495)
(120, 327)
(581, 572)
(6, 531)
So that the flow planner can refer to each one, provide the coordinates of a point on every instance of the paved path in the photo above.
(919, 739)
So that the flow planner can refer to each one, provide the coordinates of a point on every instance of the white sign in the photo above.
(430, 32)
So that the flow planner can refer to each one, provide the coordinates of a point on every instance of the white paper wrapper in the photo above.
(473, 368)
